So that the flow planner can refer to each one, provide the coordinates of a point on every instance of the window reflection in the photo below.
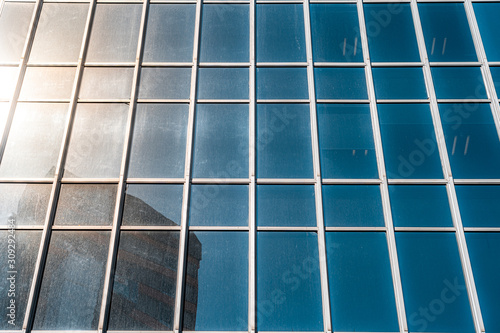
(25, 203)
(42, 83)
(8, 82)
(14, 24)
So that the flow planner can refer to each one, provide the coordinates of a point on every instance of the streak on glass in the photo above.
(25, 203)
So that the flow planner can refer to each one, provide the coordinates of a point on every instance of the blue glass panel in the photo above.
(223, 83)
(352, 206)
(218, 205)
(489, 25)
(225, 33)
(471, 140)
(221, 141)
(288, 282)
(340, 83)
(165, 83)
(280, 33)
(479, 205)
(409, 142)
(220, 302)
(391, 35)
(446, 31)
(433, 283)
(286, 205)
(346, 141)
(284, 141)
(335, 33)
(282, 83)
(495, 73)
(420, 206)
(483, 252)
(458, 82)
(399, 83)
(361, 289)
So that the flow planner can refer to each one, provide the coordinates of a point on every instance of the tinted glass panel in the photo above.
(479, 205)
(458, 82)
(223, 83)
(8, 83)
(14, 24)
(41, 83)
(106, 83)
(495, 73)
(282, 83)
(26, 204)
(399, 83)
(340, 83)
(165, 83)
(489, 25)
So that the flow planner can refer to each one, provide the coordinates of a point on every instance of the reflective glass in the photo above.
(106, 83)
(4, 113)
(25, 203)
(114, 33)
(218, 205)
(489, 25)
(159, 141)
(59, 34)
(144, 281)
(335, 33)
(71, 291)
(471, 140)
(152, 205)
(409, 142)
(223, 83)
(221, 141)
(286, 206)
(169, 33)
(361, 289)
(225, 33)
(95, 148)
(446, 31)
(282, 83)
(280, 33)
(340, 83)
(8, 82)
(346, 142)
(495, 73)
(165, 83)
(399, 83)
(479, 205)
(14, 24)
(483, 252)
(283, 141)
(288, 282)
(26, 245)
(391, 34)
(34, 141)
(216, 298)
(89, 204)
(433, 283)
(458, 82)
(420, 206)
(352, 206)
(41, 83)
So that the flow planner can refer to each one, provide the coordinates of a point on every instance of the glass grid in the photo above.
(384, 181)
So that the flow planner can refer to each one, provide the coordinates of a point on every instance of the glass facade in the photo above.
(249, 166)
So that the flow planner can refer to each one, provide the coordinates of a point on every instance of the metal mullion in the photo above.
(149, 228)
(352, 181)
(418, 181)
(286, 181)
(241, 181)
(384, 188)
(450, 186)
(477, 181)
(27, 180)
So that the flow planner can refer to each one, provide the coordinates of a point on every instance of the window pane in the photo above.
(391, 35)
(219, 302)
(479, 205)
(24, 203)
(446, 31)
(286, 206)
(14, 24)
(223, 83)
(42, 83)
(144, 283)
(280, 33)
(420, 206)
(59, 38)
(169, 33)
(71, 291)
(495, 73)
(221, 141)
(115, 31)
(282, 83)
(352, 206)
(409, 142)
(433, 283)
(95, 148)
(106, 83)
(489, 25)
(335, 33)
(340, 83)
(86, 205)
(147, 205)
(8, 83)
(399, 83)
(218, 205)
(165, 83)
(346, 142)
(288, 282)
(284, 141)
(458, 82)
(34, 140)
(361, 289)
(224, 33)
(159, 141)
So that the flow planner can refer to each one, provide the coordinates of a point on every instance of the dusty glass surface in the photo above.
(8, 82)
(106, 83)
(282, 83)
(399, 83)
(222, 83)
(26, 204)
(14, 24)
(340, 83)
(165, 83)
(42, 83)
